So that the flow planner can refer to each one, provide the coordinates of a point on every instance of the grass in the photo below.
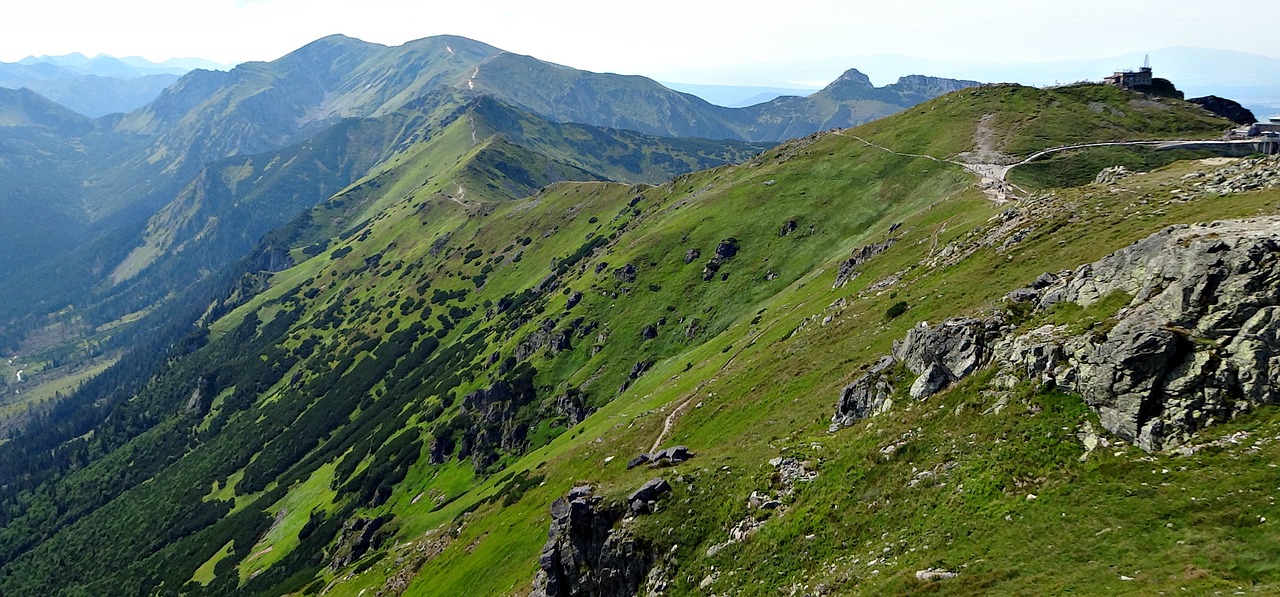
(773, 394)
(755, 357)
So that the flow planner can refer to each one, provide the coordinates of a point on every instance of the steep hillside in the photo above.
(475, 152)
(398, 412)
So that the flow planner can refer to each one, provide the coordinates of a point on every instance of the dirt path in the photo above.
(675, 414)
(671, 419)
(990, 176)
(462, 194)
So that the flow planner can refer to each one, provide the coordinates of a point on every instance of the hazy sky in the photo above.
(659, 38)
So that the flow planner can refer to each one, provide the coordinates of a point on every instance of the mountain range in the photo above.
(100, 85)
(439, 319)
(132, 187)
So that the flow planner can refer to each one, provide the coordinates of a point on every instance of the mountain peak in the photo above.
(851, 78)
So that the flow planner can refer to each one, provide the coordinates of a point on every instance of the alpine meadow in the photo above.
(442, 319)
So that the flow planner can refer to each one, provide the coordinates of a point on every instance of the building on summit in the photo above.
(1128, 79)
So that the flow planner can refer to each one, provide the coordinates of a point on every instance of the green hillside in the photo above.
(465, 337)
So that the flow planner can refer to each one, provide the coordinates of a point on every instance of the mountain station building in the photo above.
(1128, 79)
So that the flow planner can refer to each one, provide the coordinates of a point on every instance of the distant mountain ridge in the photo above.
(163, 196)
(128, 67)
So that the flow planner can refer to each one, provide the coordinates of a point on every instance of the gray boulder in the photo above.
(641, 499)
(952, 351)
(866, 396)
(586, 555)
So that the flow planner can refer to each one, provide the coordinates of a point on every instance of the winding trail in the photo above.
(462, 194)
(993, 176)
(675, 414)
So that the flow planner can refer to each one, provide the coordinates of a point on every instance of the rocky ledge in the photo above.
(1197, 343)
(588, 552)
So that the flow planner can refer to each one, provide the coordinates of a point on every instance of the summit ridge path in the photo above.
(993, 175)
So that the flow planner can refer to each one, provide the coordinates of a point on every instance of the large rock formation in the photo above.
(586, 555)
(1225, 108)
(868, 395)
(1198, 344)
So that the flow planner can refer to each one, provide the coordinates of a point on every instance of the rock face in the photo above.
(358, 536)
(1225, 108)
(1198, 344)
(848, 267)
(947, 353)
(585, 554)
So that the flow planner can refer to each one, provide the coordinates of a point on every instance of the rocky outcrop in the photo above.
(588, 552)
(663, 457)
(625, 274)
(848, 267)
(1225, 108)
(866, 396)
(1198, 343)
(643, 500)
(939, 356)
(947, 353)
(725, 251)
(358, 536)
(1252, 174)
(1112, 175)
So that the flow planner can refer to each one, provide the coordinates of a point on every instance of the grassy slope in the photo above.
(759, 372)
(769, 405)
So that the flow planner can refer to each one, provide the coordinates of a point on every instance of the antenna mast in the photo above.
(1146, 61)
